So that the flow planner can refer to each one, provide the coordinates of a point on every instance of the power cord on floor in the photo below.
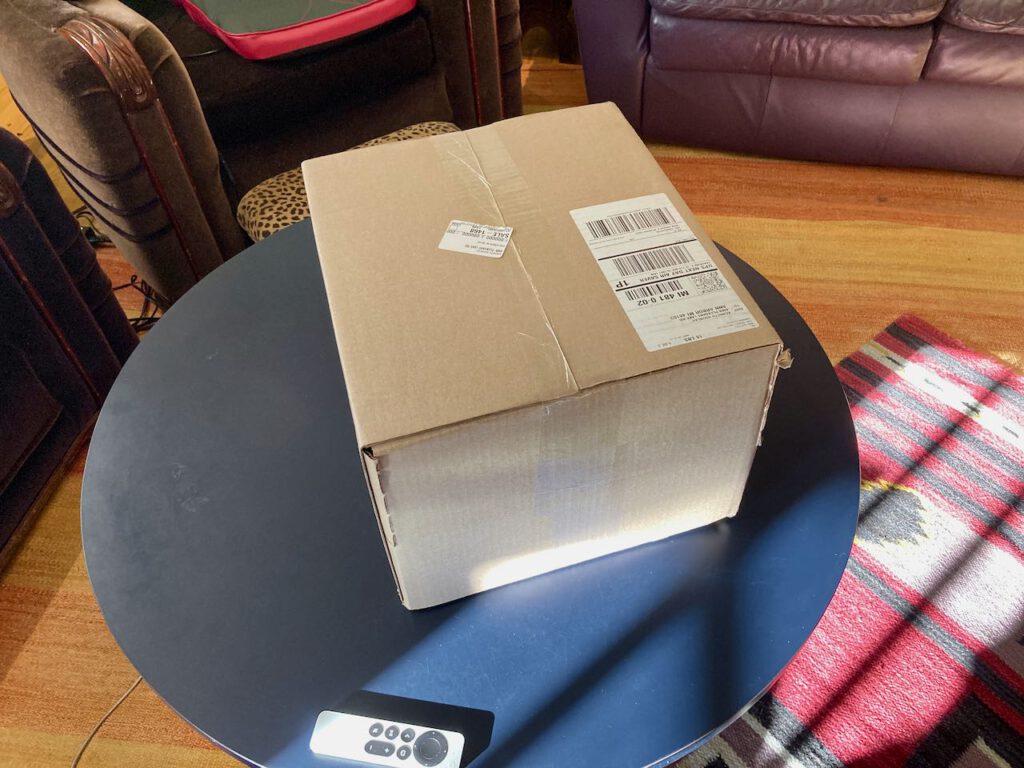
(96, 729)
(151, 304)
(151, 300)
(87, 223)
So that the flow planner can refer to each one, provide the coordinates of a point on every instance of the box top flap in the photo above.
(431, 337)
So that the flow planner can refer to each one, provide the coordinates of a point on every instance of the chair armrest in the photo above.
(138, 153)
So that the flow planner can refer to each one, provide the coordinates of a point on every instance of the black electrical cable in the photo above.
(87, 223)
(144, 321)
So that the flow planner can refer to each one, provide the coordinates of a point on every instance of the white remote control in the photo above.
(376, 741)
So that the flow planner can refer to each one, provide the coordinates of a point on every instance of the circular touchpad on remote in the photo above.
(430, 748)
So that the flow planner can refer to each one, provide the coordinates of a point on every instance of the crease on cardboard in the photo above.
(384, 447)
(570, 378)
(483, 179)
(372, 472)
(463, 140)
(783, 361)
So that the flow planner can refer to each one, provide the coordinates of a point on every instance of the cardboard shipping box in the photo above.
(547, 358)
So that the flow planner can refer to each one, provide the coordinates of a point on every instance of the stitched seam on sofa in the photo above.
(1019, 161)
(125, 213)
(972, 17)
(84, 193)
(800, 17)
(892, 122)
(764, 107)
(55, 149)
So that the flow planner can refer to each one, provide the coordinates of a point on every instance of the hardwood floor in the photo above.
(851, 247)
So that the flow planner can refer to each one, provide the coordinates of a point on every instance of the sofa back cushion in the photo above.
(893, 56)
(977, 58)
(839, 13)
(1005, 16)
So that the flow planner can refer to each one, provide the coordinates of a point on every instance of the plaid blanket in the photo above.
(919, 659)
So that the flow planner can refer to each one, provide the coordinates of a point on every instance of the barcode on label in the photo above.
(648, 261)
(648, 218)
(655, 289)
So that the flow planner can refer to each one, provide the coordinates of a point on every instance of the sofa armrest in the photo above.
(614, 47)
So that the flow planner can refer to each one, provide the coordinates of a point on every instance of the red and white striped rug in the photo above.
(919, 659)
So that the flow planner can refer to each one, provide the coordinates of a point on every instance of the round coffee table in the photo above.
(233, 550)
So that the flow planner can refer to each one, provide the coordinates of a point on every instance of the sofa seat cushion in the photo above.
(838, 13)
(1005, 16)
(850, 54)
(962, 56)
(242, 99)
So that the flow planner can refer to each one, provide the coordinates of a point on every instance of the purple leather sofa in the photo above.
(931, 83)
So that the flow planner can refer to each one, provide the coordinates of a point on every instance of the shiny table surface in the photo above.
(235, 555)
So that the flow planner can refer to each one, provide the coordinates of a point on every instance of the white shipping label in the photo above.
(480, 239)
(666, 282)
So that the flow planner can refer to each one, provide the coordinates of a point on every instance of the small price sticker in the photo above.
(478, 239)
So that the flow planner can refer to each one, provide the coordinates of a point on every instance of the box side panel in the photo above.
(521, 493)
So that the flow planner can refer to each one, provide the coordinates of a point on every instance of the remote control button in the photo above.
(391, 732)
(408, 734)
(382, 748)
(376, 729)
(403, 752)
(430, 748)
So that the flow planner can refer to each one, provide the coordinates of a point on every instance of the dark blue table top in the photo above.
(233, 550)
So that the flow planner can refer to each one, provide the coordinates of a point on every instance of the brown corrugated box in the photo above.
(511, 415)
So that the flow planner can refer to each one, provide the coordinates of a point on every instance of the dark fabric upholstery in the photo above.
(63, 336)
(65, 276)
(242, 98)
(853, 13)
(147, 162)
(510, 35)
(179, 102)
(808, 91)
(962, 56)
(1006, 16)
(888, 56)
(336, 129)
(25, 425)
(614, 47)
(44, 219)
(145, 171)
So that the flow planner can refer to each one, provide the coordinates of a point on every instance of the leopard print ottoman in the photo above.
(281, 200)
